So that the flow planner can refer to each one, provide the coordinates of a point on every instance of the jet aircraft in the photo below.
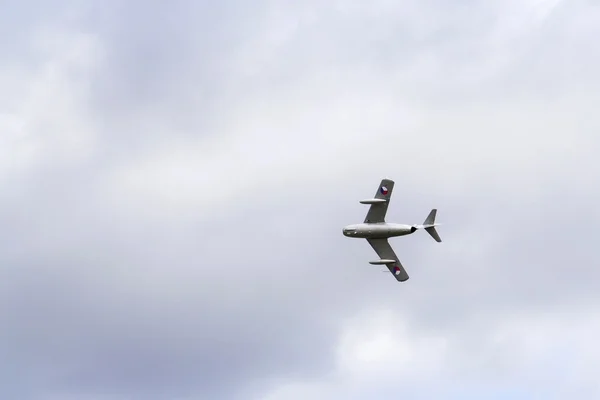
(377, 232)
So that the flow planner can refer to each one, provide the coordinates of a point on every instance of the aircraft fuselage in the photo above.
(378, 230)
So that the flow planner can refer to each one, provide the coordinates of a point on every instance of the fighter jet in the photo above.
(377, 232)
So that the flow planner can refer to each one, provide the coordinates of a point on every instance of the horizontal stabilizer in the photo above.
(382, 262)
(429, 225)
(431, 230)
(373, 201)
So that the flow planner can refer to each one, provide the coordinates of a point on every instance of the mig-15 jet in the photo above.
(377, 232)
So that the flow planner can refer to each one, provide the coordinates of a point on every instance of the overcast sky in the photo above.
(174, 179)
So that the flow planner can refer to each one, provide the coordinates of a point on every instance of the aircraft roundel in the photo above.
(384, 190)
(396, 270)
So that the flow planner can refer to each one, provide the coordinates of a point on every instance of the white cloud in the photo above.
(47, 120)
(379, 345)
(348, 120)
(551, 351)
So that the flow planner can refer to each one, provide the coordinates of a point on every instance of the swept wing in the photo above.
(385, 252)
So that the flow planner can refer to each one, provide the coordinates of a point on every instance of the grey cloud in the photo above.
(170, 59)
(94, 317)
(101, 301)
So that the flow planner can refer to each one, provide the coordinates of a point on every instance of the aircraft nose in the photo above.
(348, 230)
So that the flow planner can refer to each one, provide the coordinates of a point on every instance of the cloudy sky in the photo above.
(174, 178)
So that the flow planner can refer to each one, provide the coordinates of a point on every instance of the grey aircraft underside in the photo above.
(377, 232)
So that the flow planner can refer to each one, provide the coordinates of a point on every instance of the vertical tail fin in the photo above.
(429, 225)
